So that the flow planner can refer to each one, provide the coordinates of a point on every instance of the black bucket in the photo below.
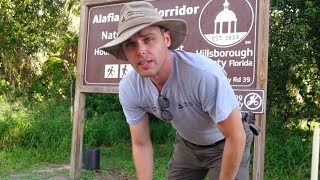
(91, 159)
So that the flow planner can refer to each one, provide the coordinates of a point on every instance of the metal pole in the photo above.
(315, 154)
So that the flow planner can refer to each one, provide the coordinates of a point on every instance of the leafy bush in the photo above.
(98, 104)
(55, 82)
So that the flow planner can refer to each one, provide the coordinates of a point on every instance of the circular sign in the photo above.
(252, 101)
(224, 23)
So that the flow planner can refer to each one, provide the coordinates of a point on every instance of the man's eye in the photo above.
(130, 44)
(146, 40)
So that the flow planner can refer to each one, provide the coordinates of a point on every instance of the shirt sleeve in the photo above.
(130, 107)
(216, 94)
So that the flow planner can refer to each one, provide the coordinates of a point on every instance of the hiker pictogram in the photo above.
(111, 71)
(124, 69)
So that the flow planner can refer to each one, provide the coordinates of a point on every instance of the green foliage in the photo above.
(41, 125)
(56, 81)
(24, 31)
(24, 160)
(32, 32)
(287, 155)
(48, 125)
(38, 56)
(13, 122)
(4, 86)
(105, 130)
(288, 151)
(105, 123)
(98, 104)
(37, 71)
(161, 132)
(294, 65)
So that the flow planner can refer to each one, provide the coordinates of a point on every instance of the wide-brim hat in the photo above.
(137, 15)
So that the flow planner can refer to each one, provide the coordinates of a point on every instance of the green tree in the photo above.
(31, 31)
(294, 66)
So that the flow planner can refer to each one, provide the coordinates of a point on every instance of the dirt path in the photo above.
(61, 172)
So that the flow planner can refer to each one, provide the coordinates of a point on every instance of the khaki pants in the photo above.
(194, 162)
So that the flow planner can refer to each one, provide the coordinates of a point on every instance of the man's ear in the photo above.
(167, 38)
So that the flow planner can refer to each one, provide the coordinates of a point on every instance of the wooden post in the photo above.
(315, 154)
(77, 136)
(262, 76)
(79, 104)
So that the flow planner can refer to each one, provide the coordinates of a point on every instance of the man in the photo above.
(185, 89)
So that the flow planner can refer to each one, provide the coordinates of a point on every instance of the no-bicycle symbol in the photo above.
(250, 100)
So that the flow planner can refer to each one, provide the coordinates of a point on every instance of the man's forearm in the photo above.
(232, 155)
(143, 160)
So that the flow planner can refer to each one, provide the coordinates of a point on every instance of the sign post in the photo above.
(262, 74)
(233, 33)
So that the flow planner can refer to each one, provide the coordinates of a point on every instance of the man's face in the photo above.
(147, 50)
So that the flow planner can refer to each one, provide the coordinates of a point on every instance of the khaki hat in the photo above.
(135, 16)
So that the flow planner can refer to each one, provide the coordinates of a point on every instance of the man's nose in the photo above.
(142, 49)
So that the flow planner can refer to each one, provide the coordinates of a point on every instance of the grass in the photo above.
(288, 150)
(35, 139)
(118, 160)
(115, 161)
(26, 160)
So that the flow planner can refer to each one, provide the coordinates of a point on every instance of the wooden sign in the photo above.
(232, 33)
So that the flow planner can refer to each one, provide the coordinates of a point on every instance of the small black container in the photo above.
(91, 159)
